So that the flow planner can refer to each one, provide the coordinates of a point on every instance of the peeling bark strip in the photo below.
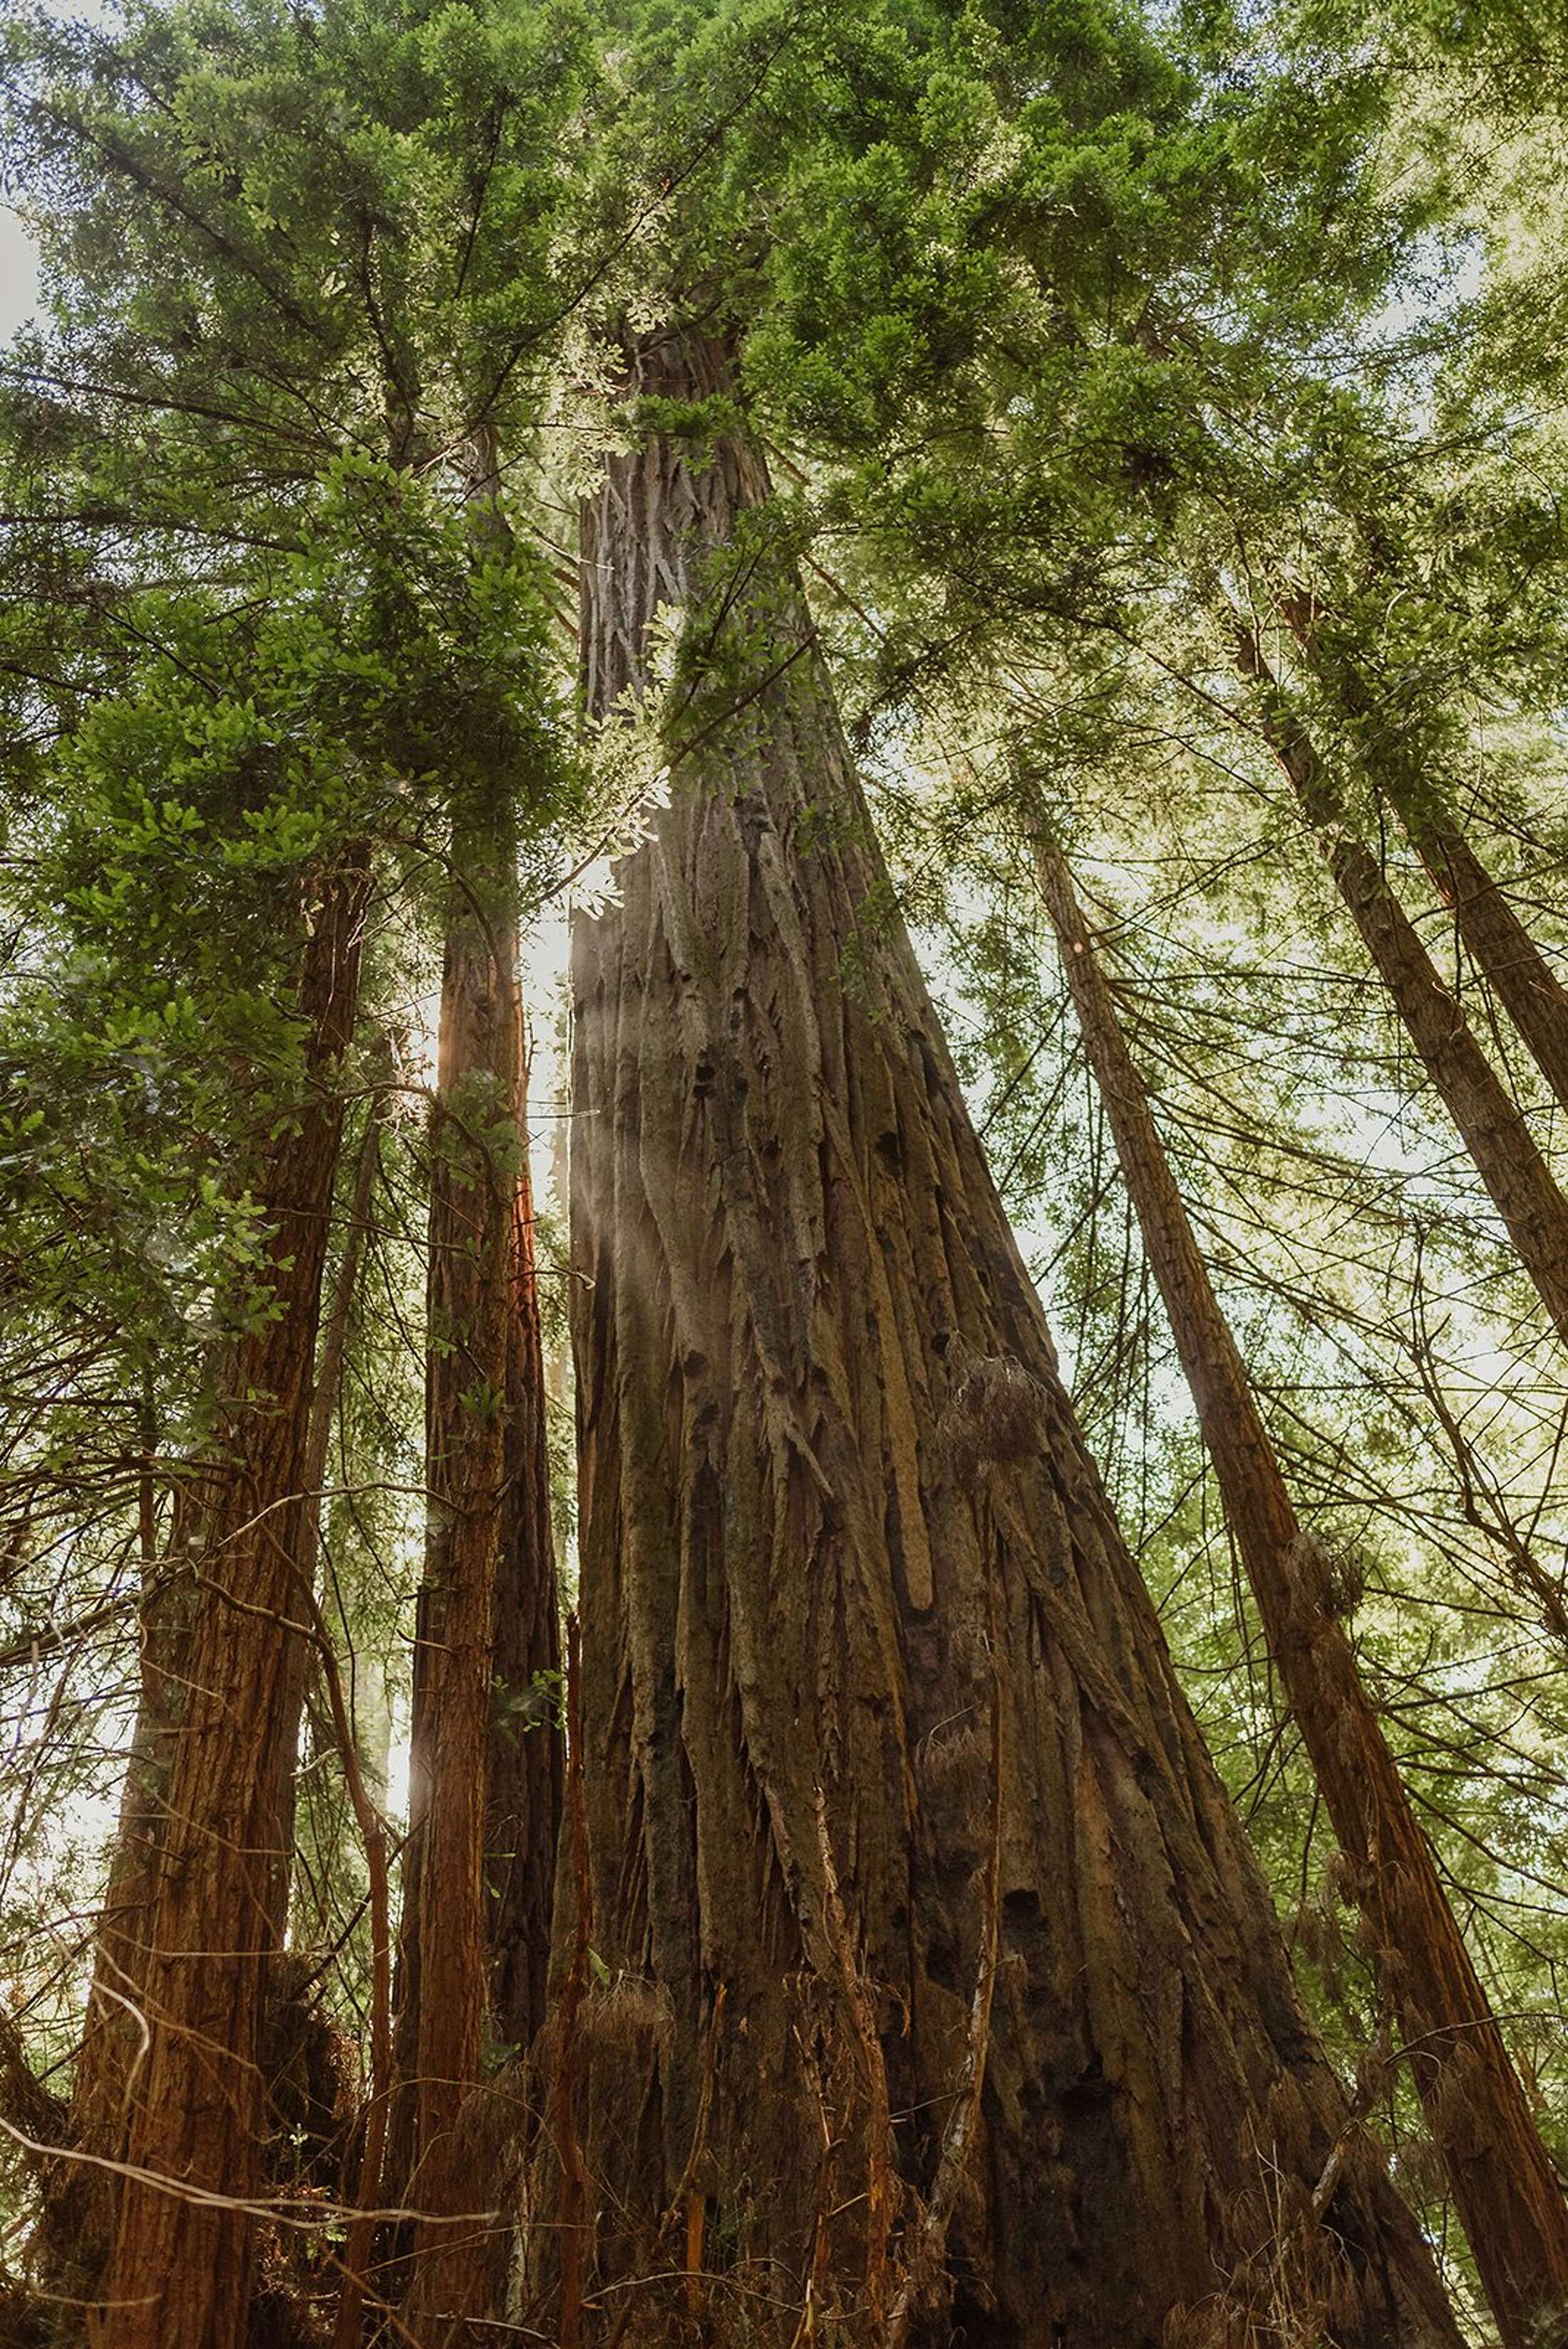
(180, 2269)
(1502, 2176)
(789, 1257)
(1533, 1210)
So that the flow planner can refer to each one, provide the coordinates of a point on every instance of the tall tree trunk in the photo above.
(835, 1509)
(527, 1757)
(474, 1143)
(483, 1795)
(1502, 950)
(324, 1403)
(1490, 1123)
(181, 2267)
(1504, 2181)
(79, 2208)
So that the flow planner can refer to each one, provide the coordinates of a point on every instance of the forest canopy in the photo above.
(784, 1115)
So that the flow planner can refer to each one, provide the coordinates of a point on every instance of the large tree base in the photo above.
(879, 1729)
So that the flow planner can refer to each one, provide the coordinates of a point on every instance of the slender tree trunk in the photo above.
(324, 1403)
(1500, 946)
(181, 2267)
(527, 1757)
(79, 2204)
(1503, 2182)
(486, 1764)
(485, 1783)
(473, 1156)
(1490, 1123)
(1503, 950)
(823, 1447)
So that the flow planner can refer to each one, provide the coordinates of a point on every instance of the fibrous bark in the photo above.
(824, 1444)
(474, 1145)
(483, 1787)
(1501, 948)
(181, 2265)
(1503, 2182)
(1490, 1123)
(73, 2241)
(526, 1759)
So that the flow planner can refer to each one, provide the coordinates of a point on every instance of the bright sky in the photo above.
(18, 273)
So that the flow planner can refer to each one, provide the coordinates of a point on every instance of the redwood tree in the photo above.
(485, 1757)
(489, 1575)
(78, 2203)
(182, 2263)
(895, 1812)
(525, 1762)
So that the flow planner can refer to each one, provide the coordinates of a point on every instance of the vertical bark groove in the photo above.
(1503, 950)
(526, 1759)
(318, 1440)
(77, 2217)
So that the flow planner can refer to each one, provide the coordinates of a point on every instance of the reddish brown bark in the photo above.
(822, 1433)
(485, 1785)
(1490, 1123)
(331, 1355)
(180, 2269)
(474, 1145)
(526, 1760)
(78, 2209)
(1503, 2182)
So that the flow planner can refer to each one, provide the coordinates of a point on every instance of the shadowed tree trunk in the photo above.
(181, 2267)
(318, 1442)
(483, 1785)
(895, 1811)
(1503, 2182)
(1533, 1210)
(474, 1145)
(527, 1764)
(485, 1763)
(1500, 946)
(79, 2201)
